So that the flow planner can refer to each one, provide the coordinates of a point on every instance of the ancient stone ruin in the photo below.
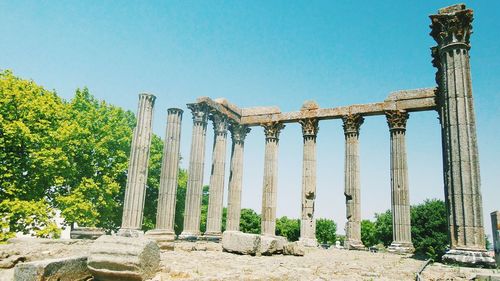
(452, 99)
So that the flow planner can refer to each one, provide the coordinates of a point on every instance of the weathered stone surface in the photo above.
(294, 248)
(240, 243)
(164, 238)
(281, 241)
(123, 258)
(268, 245)
(469, 258)
(91, 233)
(487, 277)
(62, 269)
(9, 261)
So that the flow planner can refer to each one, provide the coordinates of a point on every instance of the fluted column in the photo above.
(351, 125)
(137, 176)
(165, 214)
(192, 212)
(238, 134)
(308, 222)
(400, 193)
(451, 28)
(215, 199)
(270, 185)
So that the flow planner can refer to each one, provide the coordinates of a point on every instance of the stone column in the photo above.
(192, 212)
(270, 185)
(451, 28)
(495, 228)
(400, 193)
(135, 191)
(307, 222)
(165, 215)
(238, 134)
(351, 125)
(216, 195)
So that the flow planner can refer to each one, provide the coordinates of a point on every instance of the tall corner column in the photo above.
(270, 183)
(135, 191)
(192, 212)
(308, 222)
(400, 193)
(164, 232)
(451, 29)
(351, 126)
(495, 228)
(216, 191)
(238, 134)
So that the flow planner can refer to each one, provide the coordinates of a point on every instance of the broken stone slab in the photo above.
(469, 258)
(9, 261)
(487, 277)
(91, 233)
(294, 249)
(63, 269)
(240, 243)
(281, 241)
(268, 245)
(123, 258)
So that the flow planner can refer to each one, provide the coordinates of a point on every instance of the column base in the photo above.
(212, 236)
(130, 232)
(164, 238)
(309, 242)
(471, 258)
(189, 236)
(401, 248)
(354, 245)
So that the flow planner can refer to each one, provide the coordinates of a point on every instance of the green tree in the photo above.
(429, 228)
(33, 124)
(249, 221)
(289, 228)
(369, 233)
(326, 231)
(180, 201)
(383, 227)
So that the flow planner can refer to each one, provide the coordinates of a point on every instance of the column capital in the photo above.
(396, 119)
(199, 111)
(352, 123)
(220, 122)
(238, 132)
(272, 130)
(310, 127)
(451, 26)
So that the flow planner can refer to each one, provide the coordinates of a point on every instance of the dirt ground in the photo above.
(212, 264)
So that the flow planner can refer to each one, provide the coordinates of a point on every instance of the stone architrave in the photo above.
(495, 228)
(216, 195)
(194, 190)
(135, 191)
(238, 134)
(308, 223)
(351, 126)
(451, 29)
(270, 184)
(164, 232)
(400, 193)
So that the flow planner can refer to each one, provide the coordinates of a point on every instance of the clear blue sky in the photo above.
(258, 53)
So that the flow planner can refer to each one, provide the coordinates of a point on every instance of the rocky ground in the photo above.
(205, 261)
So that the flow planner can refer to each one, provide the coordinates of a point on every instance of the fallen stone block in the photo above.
(11, 261)
(164, 239)
(123, 258)
(281, 244)
(268, 245)
(294, 248)
(64, 269)
(91, 233)
(241, 243)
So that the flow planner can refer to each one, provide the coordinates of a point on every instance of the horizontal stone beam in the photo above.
(409, 100)
(223, 106)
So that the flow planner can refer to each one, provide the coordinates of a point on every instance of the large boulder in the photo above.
(294, 248)
(241, 243)
(281, 244)
(63, 269)
(123, 258)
